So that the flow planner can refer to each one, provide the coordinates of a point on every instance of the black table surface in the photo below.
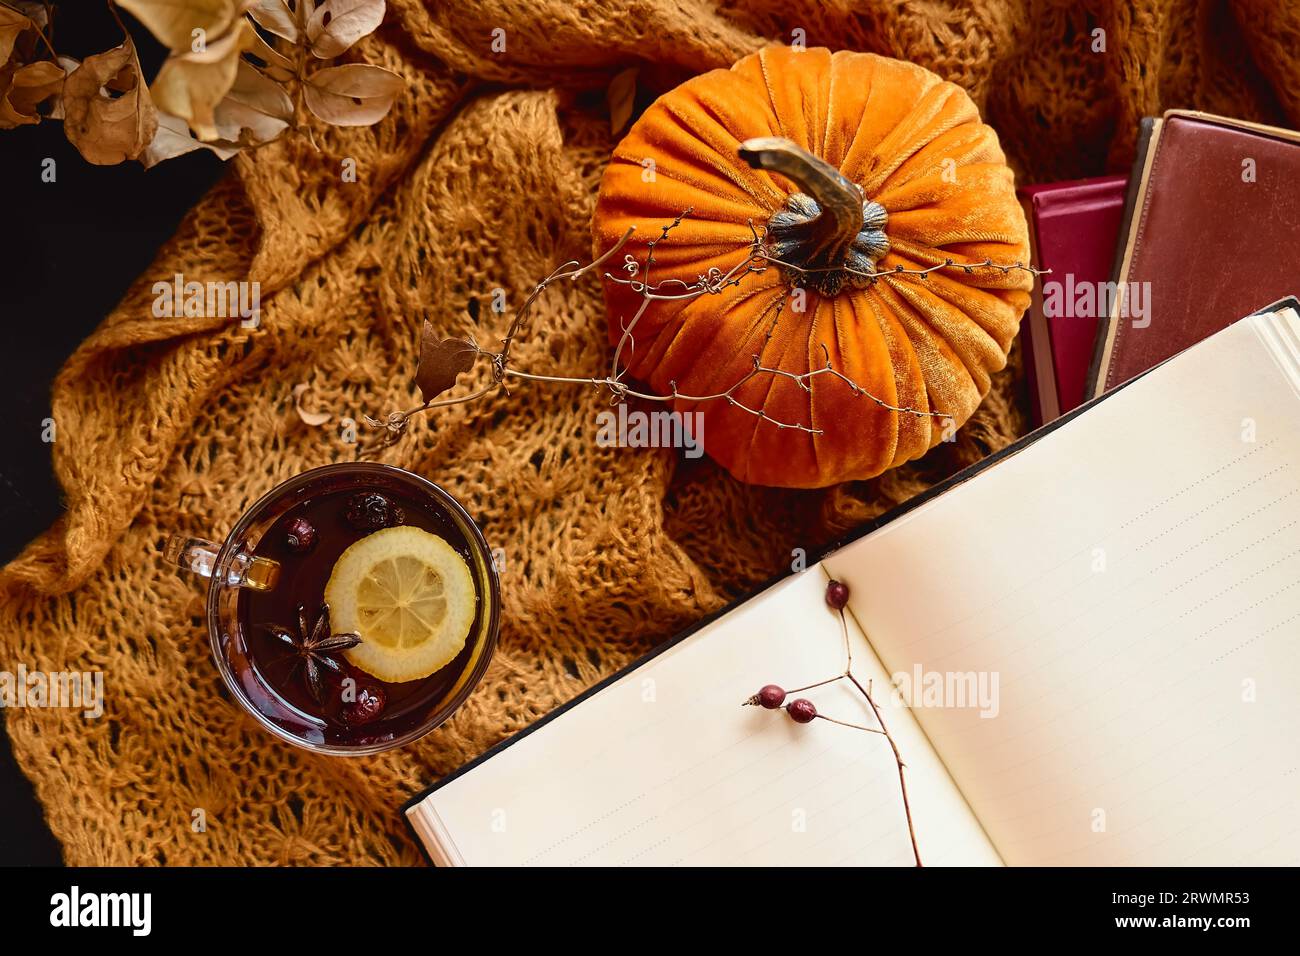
(68, 251)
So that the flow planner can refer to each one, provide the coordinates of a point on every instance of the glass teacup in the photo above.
(278, 645)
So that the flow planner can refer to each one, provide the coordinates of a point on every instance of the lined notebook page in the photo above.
(665, 767)
(1134, 580)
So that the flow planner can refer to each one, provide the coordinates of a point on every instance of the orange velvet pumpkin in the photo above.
(927, 183)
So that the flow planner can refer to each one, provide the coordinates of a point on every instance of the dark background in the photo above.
(68, 251)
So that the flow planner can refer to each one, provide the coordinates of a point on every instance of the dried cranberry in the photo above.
(301, 536)
(370, 511)
(802, 711)
(367, 707)
(771, 697)
(837, 595)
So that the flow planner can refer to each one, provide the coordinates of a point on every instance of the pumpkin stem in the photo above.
(827, 234)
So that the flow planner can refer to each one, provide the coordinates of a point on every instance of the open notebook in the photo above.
(1125, 589)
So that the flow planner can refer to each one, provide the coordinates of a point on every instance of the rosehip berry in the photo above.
(771, 697)
(837, 595)
(367, 707)
(802, 711)
(301, 536)
(370, 511)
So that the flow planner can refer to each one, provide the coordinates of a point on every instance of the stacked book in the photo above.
(1203, 231)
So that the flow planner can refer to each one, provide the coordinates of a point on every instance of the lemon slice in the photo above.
(411, 598)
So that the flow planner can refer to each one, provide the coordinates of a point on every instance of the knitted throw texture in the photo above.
(484, 177)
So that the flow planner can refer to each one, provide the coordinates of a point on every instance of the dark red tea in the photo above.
(347, 706)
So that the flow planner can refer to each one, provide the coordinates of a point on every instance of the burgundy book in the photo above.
(1073, 229)
(1212, 232)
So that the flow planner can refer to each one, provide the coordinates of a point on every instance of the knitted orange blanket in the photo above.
(482, 178)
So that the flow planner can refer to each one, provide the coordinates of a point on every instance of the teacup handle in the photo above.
(200, 556)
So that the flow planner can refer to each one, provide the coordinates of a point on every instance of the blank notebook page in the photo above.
(666, 767)
(1134, 580)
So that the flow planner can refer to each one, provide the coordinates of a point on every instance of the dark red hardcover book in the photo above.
(1073, 228)
(1211, 231)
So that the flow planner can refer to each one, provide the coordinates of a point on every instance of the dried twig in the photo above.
(636, 275)
(803, 711)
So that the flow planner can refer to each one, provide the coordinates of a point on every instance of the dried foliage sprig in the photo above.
(803, 711)
(444, 359)
(239, 73)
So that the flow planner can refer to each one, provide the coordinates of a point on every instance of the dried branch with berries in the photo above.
(803, 711)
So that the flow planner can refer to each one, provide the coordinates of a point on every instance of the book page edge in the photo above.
(433, 833)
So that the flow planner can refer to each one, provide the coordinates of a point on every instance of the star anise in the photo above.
(315, 647)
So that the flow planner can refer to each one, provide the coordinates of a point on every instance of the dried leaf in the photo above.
(173, 139)
(441, 362)
(190, 85)
(621, 97)
(33, 84)
(12, 23)
(256, 110)
(174, 21)
(26, 81)
(274, 16)
(69, 64)
(29, 86)
(278, 66)
(355, 94)
(104, 128)
(314, 419)
(35, 10)
(337, 24)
